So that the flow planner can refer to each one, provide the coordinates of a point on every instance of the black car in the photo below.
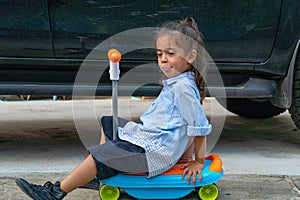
(254, 43)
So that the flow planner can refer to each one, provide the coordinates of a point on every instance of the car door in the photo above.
(24, 29)
(234, 31)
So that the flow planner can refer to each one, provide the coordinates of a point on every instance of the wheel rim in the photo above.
(209, 192)
(109, 193)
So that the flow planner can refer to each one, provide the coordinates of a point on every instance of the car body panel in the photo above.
(24, 29)
(234, 31)
(44, 43)
(287, 37)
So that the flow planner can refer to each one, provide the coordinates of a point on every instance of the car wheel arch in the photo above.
(283, 97)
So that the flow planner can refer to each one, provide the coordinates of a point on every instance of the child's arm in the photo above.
(187, 156)
(195, 167)
(200, 148)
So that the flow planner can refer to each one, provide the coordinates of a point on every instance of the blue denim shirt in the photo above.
(169, 124)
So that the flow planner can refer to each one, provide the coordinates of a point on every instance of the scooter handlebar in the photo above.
(114, 55)
(114, 58)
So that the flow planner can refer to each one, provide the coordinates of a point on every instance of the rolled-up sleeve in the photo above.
(188, 103)
(198, 130)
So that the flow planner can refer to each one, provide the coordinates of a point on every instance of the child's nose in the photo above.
(163, 57)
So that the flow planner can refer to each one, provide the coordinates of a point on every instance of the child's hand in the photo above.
(191, 170)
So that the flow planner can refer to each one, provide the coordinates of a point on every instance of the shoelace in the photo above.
(49, 186)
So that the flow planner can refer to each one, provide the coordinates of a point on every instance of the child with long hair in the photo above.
(170, 130)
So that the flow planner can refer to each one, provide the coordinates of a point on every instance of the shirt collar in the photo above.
(190, 75)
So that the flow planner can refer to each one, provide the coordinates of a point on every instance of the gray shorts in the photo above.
(117, 156)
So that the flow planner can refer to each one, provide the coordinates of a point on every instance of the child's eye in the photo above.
(171, 53)
(158, 54)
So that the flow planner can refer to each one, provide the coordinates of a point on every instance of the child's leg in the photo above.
(107, 127)
(87, 170)
(102, 136)
(81, 175)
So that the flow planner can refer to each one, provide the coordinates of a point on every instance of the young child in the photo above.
(170, 130)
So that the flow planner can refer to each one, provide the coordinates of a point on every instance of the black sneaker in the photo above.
(49, 191)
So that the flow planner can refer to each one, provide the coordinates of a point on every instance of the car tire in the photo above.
(295, 106)
(251, 108)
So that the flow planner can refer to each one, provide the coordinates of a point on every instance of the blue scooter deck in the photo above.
(165, 186)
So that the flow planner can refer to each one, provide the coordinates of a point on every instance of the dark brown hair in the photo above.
(190, 38)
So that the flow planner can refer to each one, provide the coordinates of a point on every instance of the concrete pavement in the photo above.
(39, 141)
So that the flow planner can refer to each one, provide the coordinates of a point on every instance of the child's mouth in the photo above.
(167, 68)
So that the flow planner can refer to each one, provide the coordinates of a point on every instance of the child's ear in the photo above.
(192, 56)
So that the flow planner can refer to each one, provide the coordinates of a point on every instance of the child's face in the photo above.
(171, 58)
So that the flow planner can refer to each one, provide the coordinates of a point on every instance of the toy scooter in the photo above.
(168, 185)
